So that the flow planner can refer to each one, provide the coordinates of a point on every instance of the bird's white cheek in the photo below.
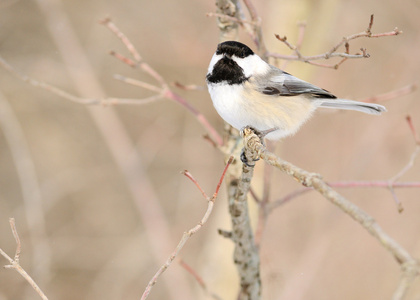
(213, 61)
(252, 65)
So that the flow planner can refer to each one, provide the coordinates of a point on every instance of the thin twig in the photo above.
(301, 34)
(405, 90)
(117, 141)
(333, 51)
(14, 262)
(407, 167)
(188, 87)
(163, 89)
(273, 205)
(374, 184)
(17, 239)
(123, 59)
(189, 175)
(413, 129)
(199, 279)
(138, 83)
(344, 184)
(189, 233)
(133, 51)
(65, 95)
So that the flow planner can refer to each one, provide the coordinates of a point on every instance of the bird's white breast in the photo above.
(240, 105)
(228, 102)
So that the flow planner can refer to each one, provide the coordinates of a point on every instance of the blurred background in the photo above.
(97, 193)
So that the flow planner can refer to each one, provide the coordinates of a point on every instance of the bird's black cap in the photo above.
(232, 48)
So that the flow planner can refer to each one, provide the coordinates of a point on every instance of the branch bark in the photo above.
(245, 256)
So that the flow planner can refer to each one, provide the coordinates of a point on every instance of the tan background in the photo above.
(88, 239)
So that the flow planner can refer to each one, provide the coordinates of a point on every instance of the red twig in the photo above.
(413, 130)
(230, 160)
(188, 174)
(189, 233)
(199, 279)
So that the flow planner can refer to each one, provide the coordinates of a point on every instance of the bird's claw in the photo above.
(245, 160)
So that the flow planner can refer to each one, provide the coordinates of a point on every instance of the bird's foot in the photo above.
(261, 135)
(246, 161)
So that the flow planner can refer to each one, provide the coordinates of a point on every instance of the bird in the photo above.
(247, 91)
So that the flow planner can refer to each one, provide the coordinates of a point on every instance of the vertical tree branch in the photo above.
(246, 256)
(238, 181)
(227, 26)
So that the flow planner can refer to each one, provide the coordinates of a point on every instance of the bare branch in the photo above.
(199, 279)
(189, 233)
(273, 205)
(413, 130)
(409, 266)
(133, 51)
(138, 83)
(188, 174)
(188, 87)
(344, 184)
(123, 59)
(405, 90)
(17, 239)
(163, 90)
(245, 256)
(14, 263)
(333, 51)
(390, 184)
(408, 166)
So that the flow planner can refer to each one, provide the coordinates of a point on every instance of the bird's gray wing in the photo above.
(279, 83)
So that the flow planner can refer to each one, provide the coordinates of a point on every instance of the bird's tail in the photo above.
(368, 108)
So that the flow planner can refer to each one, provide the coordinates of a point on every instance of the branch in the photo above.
(333, 51)
(14, 262)
(409, 266)
(405, 90)
(245, 255)
(408, 166)
(390, 184)
(238, 180)
(199, 279)
(162, 89)
(189, 233)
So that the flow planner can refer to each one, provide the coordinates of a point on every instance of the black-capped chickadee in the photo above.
(246, 91)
